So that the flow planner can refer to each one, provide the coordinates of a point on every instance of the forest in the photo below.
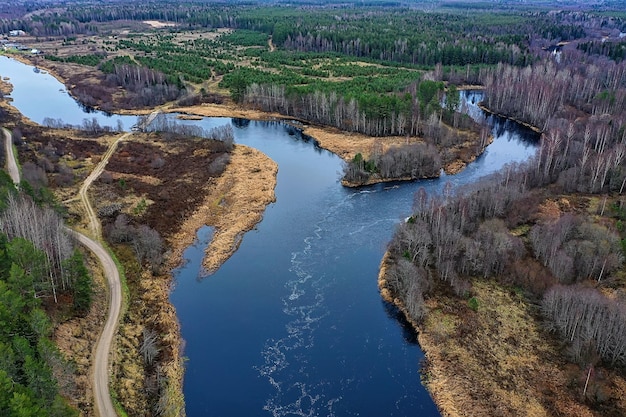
(41, 271)
(252, 62)
(520, 227)
(551, 231)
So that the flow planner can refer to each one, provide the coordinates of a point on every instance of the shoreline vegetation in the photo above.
(234, 203)
(489, 345)
(482, 293)
(498, 362)
(504, 116)
(343, 144)
(480, 273)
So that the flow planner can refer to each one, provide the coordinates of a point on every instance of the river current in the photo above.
(293, 324)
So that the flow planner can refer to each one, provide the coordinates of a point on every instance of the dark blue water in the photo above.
(293, 324)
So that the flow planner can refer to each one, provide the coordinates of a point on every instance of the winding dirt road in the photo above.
(12, 169)
(102, 397)
(94, 223)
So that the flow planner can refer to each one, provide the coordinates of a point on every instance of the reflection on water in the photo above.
(39, 95)
(409, 334)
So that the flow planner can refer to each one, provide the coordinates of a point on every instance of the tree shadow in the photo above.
(408, 332)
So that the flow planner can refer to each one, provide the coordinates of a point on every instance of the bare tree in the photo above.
(148, 246)
(45, 229)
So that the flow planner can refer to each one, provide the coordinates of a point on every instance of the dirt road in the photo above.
(102, 397)
(94, 223)
(11, 165)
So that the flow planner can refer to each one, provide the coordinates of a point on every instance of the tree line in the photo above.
(592, 323)
(488, 38)
(164, 123)
(584, 154)
(31, 367)
(466, 234)
(49, 266)
(38, 263)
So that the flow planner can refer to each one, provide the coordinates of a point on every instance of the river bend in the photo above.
(293, 324)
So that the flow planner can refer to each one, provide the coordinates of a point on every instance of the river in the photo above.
(293, 324)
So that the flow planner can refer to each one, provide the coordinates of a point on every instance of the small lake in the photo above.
(293, 324)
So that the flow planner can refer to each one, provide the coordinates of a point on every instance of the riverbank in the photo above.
(5, 86)
(233, 205)
(344, 144)
(177, 203)
(376, 180)
(222, 196)
(494, 360)
(520, 122)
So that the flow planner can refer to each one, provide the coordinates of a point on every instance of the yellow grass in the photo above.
(5, 87)
(501, 366)
(347, 145)
(234, 204)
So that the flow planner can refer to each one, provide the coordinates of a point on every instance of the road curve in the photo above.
(102, 397)
(11, 165)
(94, 223)
(101, 393)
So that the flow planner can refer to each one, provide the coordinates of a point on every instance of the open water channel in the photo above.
(293, 324)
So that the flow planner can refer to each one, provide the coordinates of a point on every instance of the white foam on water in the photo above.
(286, 360)
(298, 388)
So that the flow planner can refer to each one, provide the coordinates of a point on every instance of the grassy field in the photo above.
(201, 58)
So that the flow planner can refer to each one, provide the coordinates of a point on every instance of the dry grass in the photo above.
(150, 308)
(347, 145)
(496, 361)
(343, 144)
(5, 86)
(234, 204)
(243, 191)
(549, 211)
(224, 110)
